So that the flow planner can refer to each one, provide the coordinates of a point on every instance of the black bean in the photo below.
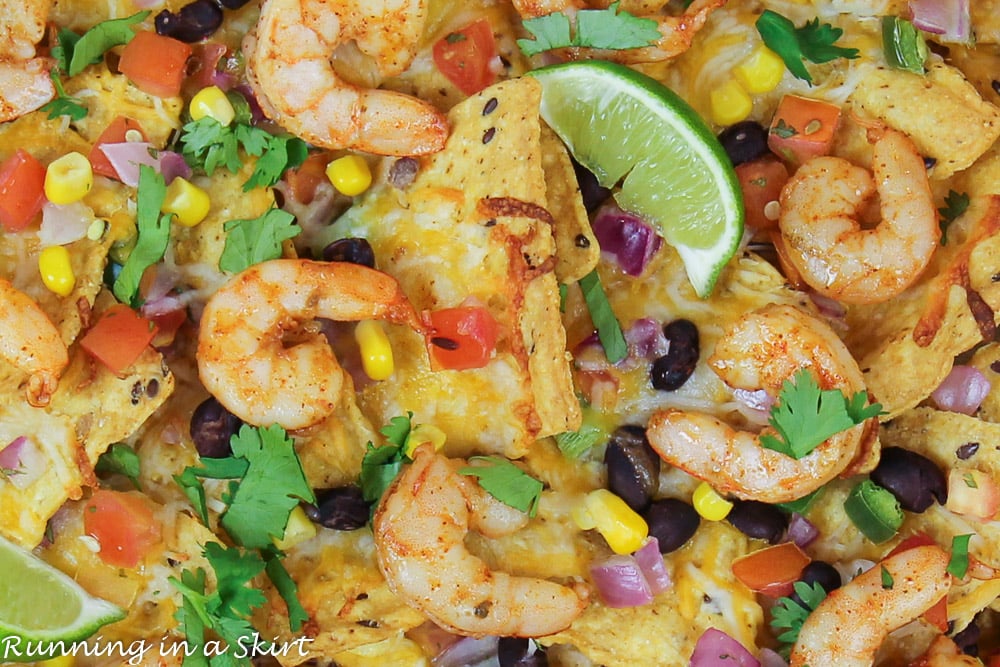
(194, 22)
(915, 480)
(212, 426)
(517, 652)
(672, 522)
(822, 573)
(967, 451)
(233, 4)
(633, 466)
(353, 250)
(744, 141)
(340, 508)
(757, 519)
(673, 369)
(967, 639)
(594, 194)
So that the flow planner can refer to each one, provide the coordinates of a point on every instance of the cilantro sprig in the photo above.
(595, 28)
(94, 43)
(955, 204)
(609, 330)
(153, 231)
(380, 465)
(958, 564)
(506, 482)
(63, 104)
(574, 444)
(250, 242)
(789, 615)
(120, 459)
(814, 42)
(804, 415)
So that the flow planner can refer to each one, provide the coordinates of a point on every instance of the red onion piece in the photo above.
(147, 4)
(627, 237)
(771, 658)
(951, 20)
(172, 165)
(645, 339)
(653, 568)
(755, 405)
(717, 649)
(126, 157)
(620, 582)
(963, 390)
(62, 224)
(22, 462)
(467, 651)
(801, 530)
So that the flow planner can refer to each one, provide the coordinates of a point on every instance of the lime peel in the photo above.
(619, 124)
(43, 610)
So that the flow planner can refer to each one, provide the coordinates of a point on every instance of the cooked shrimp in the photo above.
(943, 652)
(420, 527)
(760, 351)
(244, 359)
(289, 67)
(677, 32)
(827, 243)
(25, 84)
(31, 343)
(851, 623)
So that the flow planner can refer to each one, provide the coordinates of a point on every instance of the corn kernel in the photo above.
(68, 179)
(186, 201)
(761, 72)
(56, 270)
(212, 102)
(709, 504)
(422, 434)
(622, 528)
(376, 351)
(298, 529)
(349, 174)
(730, 103)
(67, 660)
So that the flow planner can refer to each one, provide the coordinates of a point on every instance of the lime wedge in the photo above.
(621, 124)
(41, 607)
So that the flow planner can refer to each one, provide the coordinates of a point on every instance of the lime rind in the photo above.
(664, 183)
(41, 605)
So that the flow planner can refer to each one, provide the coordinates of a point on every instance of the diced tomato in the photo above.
(972, 492)
(155, 64)
(304, 179)
(464, 337)
(772, 571)
(114, 133)
(761, 181)
(600, 388)
(123, 525)
(916, 540)
(118, 337)
(167, 325)
(802, 128)
(466, 57)
(22, 190)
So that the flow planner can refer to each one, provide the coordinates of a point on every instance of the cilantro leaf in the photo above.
(958, 564)
(120, 459)
(790, 615)
(506, 482)
(208, 144)
(609, 330)
(574, 444)
(286, 588)
(63, 104)
(805, 416)
(813, 42)
(595, 28)
(250, 242)
(269, 491)
(105, 35)
(398, 429)
(66, 41)
(380, 465)
(955, 204)
(281, 153)
(887, 580)
(153, 235)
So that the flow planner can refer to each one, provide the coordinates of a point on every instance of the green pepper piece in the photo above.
(903, 44)
(874, 510)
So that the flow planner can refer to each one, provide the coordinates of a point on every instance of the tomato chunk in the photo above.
(22, 193)
(772, 571)
(466, 56)
(155, 64)
(761, 181)
(114, 133)
(802, 128)
(119, 337)
(464, 337)
(123, 524)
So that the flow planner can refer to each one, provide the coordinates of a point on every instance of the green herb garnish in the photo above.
(574, 444)
(595, 28)
(887, 580)
(153, 232)
(120, 459)
(903, 44)
(380, 465)
(813, 42)
(63, 104)
(250, 242)
(958, 565)
(94, 43)
(609, 331)
(955, 204)
(789, 615)
(506, 482)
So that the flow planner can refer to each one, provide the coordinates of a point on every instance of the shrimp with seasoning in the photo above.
(25, 84)
(676, 32)
(850, 624)
(828, 245)
(288, 65)
(420, 527)
(31, 343)
(244, 359)
(762, 350)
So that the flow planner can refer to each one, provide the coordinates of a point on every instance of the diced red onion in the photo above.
(754, 405)
(22, 461)
(126, 157)
(963, 390)
(466, 652)
(645, 339)
(828, 307)
(620, 582)
(589, 355)
(147, 4)
(625, 236)
(717, 649)
(951, 20)
(172, 165)
(801, 530)
(651, 563)
(256, 112)
(62, 224)
(771, 658)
